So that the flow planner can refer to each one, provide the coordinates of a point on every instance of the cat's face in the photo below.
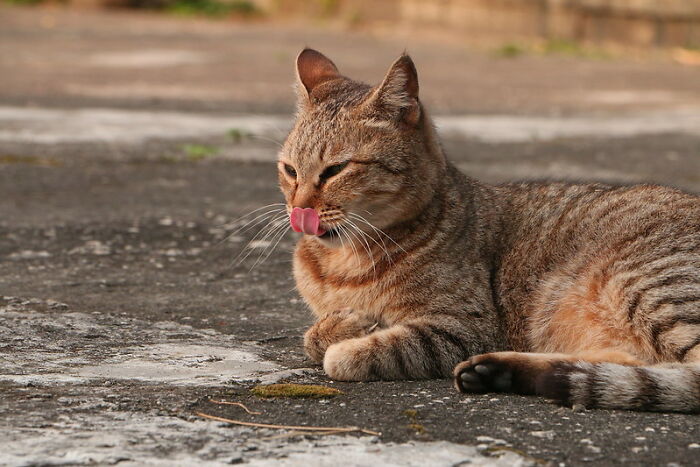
(355, 156)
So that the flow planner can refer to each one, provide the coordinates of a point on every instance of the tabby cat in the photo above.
(586, 294)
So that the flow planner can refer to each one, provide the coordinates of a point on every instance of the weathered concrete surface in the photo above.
(123, 310)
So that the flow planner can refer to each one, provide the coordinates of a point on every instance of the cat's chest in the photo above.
(329, 283)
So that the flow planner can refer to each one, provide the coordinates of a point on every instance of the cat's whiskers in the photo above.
(266, 138)
(238, 219)
(271, 226)
(272, 231)
(276, 238)
(253, 223)
(343, 230)
(250, 223)
(376, 229)
(382, 246)
(365, 244)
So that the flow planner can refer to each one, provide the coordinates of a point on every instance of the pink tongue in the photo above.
(305, 220)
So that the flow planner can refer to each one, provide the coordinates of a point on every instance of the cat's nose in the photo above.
(304, 197)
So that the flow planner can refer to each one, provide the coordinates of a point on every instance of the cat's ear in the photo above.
(397, 96)
(313, 68)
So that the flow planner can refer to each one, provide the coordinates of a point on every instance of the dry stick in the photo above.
(292, 434)
(339, 429)
(237, 404)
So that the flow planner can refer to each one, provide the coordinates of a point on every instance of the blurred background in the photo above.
(134, 134)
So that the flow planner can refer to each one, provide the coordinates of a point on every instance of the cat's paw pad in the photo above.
(482, 374)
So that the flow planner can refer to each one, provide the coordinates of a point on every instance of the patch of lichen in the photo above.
(414, 425)
(303, 391)
(28, 160)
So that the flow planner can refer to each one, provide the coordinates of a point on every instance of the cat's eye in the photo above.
(332, 171)
(290, 170)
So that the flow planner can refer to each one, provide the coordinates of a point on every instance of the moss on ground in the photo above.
(306, 391)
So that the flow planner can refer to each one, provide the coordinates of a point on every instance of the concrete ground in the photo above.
(129, 147)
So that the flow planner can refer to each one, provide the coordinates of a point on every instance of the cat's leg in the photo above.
(333, 327)
(521, 372)
(415, 349)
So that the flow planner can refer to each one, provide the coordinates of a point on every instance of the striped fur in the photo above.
(585, 293)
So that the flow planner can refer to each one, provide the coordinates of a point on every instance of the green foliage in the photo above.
(572, 49)
(562, 47)
(212, 8)
(236, 135)
(9, 159)
(24, 2)
(355, 18)
(510, 50)
(558, 47)
(328, 7)
(197, 152)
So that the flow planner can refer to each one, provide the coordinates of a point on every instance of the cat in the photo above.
(583, 293)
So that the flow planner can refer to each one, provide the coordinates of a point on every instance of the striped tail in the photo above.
(662, 388)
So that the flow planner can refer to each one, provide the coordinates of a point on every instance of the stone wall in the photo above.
(642, 23)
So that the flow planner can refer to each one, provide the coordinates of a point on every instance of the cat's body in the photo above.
(597, 281)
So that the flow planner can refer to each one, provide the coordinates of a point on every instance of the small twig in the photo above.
(348, 429)
(300, 433)
(235, 403)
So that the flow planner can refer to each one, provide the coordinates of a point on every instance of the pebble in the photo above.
(29, 254)
(490, 440)
(549, 434)
(55, 305)
(92, 247)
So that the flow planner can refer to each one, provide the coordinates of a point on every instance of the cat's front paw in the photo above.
(343, 361)
(334, 327)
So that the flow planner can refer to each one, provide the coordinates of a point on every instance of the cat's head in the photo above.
(357, 154)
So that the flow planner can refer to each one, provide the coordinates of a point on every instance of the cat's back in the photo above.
(560, 236)
(566, 218)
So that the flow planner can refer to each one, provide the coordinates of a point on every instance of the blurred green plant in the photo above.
(572, 48)
(29, 160)
(510, 50)
(212, 8)
(24, 2)
(355, 18)
(560, 47)
(197, 152)
(328, 7)
(236, 135)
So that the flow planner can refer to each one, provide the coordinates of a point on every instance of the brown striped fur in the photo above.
(585, 293)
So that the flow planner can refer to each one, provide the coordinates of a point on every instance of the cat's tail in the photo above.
(662, 388)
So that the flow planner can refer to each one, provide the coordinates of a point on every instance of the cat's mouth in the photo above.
(330, 234)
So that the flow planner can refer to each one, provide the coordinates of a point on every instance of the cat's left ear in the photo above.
(313, 69)
(397, 96)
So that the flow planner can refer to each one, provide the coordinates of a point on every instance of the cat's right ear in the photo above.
(313, 68)
(397, 97)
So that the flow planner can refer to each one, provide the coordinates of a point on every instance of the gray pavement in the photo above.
(123, 311)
